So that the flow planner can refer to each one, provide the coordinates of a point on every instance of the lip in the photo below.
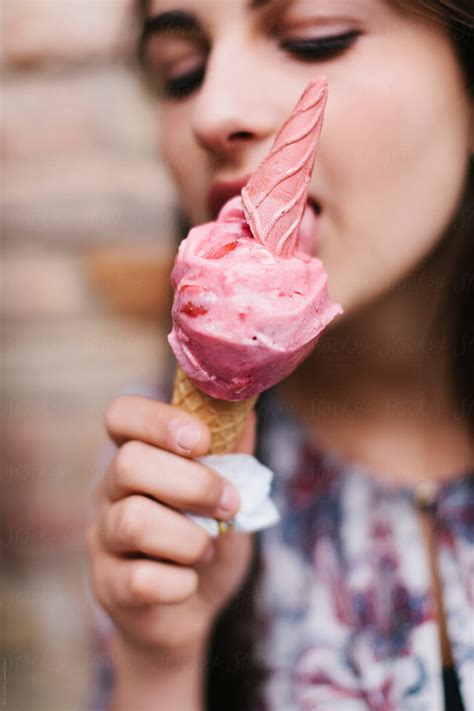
(221, 191)
(309, 236)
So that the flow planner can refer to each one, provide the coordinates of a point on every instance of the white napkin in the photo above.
(253, 481)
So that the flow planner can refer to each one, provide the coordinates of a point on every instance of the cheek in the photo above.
(395, 157)
(173, 135)
(185, 162)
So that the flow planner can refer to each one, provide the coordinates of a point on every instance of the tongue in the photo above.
(309, 232)
(275, 196)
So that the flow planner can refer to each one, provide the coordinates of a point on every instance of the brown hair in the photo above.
(234, 673)
(457, 307)
(457, 17)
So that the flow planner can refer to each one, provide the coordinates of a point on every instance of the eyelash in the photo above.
(309, 50)
(184, 85)
(312, 50)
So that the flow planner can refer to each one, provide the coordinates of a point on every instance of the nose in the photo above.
(231, 111)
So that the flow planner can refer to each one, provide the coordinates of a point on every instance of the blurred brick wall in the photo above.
(87, 232)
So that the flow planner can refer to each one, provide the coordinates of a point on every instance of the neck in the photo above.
(377, 387)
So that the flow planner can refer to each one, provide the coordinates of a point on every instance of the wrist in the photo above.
(157, 680)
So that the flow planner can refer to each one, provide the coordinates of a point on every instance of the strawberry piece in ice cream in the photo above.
(247, 308)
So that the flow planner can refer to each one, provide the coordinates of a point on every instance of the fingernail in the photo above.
(229, 502)
(187, 436)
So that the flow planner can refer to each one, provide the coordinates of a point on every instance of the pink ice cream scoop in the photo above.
(247, 307)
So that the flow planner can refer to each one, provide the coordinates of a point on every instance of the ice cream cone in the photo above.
(248, 305)
(225, 419)
(276, 194)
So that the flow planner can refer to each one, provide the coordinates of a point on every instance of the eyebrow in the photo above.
(163, 23)
(182, 20)
(176, 21)
(171, 20)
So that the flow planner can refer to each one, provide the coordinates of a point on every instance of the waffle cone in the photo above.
(224, 419)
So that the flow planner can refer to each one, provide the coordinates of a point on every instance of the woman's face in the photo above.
(397, 132)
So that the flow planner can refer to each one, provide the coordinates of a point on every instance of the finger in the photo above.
(120, 582)
(139, 525)
(157, 423)
(139, 468)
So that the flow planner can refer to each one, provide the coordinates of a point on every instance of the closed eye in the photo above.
(172, 51)
(320, 48)
(184, 85)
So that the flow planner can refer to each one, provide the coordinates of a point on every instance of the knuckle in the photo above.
(152, 429)
(207, 488)
(197, 546)
(112, 413)
(192, 583)
(138, 587)
(129, 521)
(126, 461)
(189, 585)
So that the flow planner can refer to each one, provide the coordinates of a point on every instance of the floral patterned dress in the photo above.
(347, 592)
(346, 599)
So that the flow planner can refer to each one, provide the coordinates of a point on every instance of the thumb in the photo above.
(246, 440)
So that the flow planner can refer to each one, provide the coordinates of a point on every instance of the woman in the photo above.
(365, 589)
